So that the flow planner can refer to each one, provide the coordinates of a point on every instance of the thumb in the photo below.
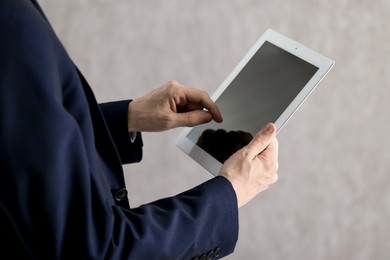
(193, 118)
(261, 140)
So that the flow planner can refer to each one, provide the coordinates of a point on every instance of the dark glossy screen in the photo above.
(259, 94)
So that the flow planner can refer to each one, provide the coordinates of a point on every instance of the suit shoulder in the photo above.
(23, 29)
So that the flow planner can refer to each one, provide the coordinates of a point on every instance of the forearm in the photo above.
(196, 222)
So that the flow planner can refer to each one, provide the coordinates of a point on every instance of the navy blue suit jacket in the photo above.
(62, 189)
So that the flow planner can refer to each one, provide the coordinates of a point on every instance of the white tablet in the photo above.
(268, 85)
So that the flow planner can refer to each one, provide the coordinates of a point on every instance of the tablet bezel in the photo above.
(323, 63)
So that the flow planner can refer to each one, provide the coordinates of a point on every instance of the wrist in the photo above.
(131, 117)
(131, 126)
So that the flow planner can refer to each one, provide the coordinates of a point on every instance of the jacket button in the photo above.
(120, 194)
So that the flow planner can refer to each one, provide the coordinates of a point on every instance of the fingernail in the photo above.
(269, 128)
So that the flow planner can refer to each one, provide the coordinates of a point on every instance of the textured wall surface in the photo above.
(332, 200)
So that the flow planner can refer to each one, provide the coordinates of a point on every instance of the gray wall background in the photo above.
(332, 200)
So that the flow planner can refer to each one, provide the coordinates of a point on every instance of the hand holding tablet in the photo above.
(253, 169)
(268, 85)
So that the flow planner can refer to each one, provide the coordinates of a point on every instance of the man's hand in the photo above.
(253, 169)
(169, 106)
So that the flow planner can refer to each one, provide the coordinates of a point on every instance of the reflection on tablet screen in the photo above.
(259, 94)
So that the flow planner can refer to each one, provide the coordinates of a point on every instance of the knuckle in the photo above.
(172, 82)
(203, 93)
(190, 120)
(245, 152)
(172, 85)
(275, 166)
(274, 178)
(271, 166)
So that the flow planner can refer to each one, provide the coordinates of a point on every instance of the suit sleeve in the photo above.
(201, 222)
(115, 115)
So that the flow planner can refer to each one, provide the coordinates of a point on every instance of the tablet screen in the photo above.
(259, 94)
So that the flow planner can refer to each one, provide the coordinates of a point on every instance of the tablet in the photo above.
(268, 85)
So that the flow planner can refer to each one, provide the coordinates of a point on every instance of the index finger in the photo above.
(197, 96)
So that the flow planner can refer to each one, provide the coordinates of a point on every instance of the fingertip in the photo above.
(216, 114)
(269, 128)
(218, 118)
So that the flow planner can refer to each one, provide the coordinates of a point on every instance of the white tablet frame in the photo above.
(323, 63)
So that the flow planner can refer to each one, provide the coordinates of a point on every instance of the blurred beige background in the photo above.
(332, 200)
